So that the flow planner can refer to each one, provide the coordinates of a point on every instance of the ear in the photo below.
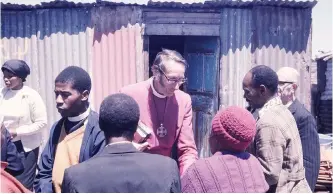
(85, 95)
(262, 89)
(155, 70)
(295, 86)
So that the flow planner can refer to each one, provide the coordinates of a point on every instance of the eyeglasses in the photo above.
(172, 80)
(284, 85)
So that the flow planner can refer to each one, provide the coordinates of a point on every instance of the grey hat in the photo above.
(17, 67)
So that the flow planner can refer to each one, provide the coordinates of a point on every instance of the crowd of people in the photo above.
(142, 138)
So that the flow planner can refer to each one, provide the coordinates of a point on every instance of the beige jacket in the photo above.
(277, 146)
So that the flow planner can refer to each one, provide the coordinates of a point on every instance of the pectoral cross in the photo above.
(161, 131)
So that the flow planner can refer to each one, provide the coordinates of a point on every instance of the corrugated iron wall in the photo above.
(236, 58)
(106, 42)
(117, 48)
(273, 36)
(48, 40)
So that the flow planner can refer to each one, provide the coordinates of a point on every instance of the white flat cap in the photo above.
(288, 74)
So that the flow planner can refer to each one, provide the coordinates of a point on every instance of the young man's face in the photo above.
(69, 101)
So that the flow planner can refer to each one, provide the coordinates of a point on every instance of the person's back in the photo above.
(225, 172)
(122, 168)
(230, 169)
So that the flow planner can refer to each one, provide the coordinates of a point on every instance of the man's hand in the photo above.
(142, 146)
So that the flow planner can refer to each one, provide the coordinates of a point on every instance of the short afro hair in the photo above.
(77, 76)
(264, 75)
(119, 115)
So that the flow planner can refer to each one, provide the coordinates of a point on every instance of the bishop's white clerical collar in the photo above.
(154, 91)
(80, 117)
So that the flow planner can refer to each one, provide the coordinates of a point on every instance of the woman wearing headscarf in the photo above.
(231, 169)
(24, 116)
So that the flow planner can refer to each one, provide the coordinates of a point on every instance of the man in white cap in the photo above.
(288, 84)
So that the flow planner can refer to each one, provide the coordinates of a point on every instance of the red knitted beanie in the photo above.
(233, 128)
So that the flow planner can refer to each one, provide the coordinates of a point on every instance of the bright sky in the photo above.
(322, 26)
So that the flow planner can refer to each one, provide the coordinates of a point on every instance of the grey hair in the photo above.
(167, 54)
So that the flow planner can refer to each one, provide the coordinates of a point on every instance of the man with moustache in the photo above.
(165, 111)
(76, 137)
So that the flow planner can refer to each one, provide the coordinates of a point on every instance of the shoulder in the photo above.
(158, 162)
(29, 90)
(31, 94)
(302, 113)
(133, 88)
(183, 97)
(93, 124)
(276, 116)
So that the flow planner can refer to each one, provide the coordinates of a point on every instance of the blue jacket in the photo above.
(306, 125)
(92, 143)
(10, 155)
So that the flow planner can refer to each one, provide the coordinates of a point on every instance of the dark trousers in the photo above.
(29, 160)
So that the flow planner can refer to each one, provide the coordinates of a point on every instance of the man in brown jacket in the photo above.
(277, 143)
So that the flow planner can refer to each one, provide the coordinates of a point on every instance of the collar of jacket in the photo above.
(293, 106)
(271, 103)
(92, 122)
(120, 148)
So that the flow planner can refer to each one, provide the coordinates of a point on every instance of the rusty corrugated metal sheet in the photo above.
(107, 42)
(236, 61)
(273, 36)
(117, 48)
(283, 38)
(48, 40)
(12, 4)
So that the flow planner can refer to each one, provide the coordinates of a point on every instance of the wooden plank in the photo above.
(181, 18)
(159, 20)
(192, 10)
(182, 29)
(180, 15)
(146, 56)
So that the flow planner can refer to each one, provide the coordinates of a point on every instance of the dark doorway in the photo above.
(156, 43)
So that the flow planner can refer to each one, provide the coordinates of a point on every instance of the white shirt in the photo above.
(24, 112)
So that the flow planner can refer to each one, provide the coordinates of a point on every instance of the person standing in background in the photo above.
(24, 116)
(306, 124)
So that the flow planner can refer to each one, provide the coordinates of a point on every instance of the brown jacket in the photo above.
(277, 146)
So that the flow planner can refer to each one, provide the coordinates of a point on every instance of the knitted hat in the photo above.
(233, 128)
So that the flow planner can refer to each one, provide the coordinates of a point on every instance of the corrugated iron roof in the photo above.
(156, 3)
